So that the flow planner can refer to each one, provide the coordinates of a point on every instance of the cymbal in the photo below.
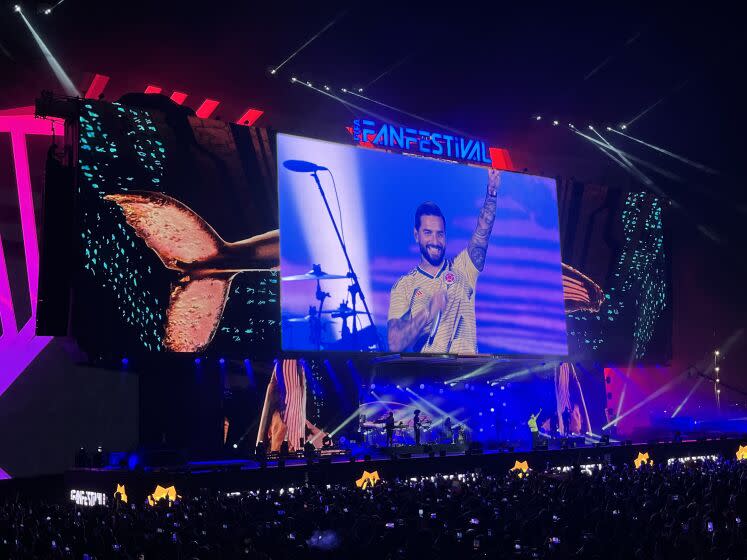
(315, 273)
(306, 319)
(343, 311)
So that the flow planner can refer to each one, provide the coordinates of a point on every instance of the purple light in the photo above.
(422, 386)
(19, 347)
(222, 361)
(197, 361)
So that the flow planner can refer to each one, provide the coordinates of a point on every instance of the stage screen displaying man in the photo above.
(392, 253)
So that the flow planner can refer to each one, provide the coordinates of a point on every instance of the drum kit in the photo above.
(374, 433)
(352, 337)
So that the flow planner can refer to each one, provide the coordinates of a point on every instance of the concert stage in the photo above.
(236, 475)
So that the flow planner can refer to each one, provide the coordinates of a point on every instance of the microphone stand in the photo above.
(351, 272)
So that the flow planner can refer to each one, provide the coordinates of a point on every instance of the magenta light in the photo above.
(97, 86)
(178, 97)
(19, 346)
(207, 108)
(250, 117)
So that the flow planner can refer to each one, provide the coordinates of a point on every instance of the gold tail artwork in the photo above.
(207, 264)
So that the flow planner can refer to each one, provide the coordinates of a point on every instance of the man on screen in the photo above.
(432, 307)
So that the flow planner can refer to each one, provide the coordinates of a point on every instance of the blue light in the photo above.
(422, 386)
(246, 361)
(132, 461)
(125, 361)
(492, 409)
(197, 361)
(373, 386)
(222, 361)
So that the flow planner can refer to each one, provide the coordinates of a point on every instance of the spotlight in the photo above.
(718, 391)
(197, 361)
(717, 352)
(326, 88)
(344, 90)
(16, 8)
(571, 125)
(273, 71)
(309, 84)
(125, 361)
(235, 445)
(591, 127)
(373, 386)
(246, 361)
(718, 369)
(360, 89)
(555, 123)
(222, 361)
(538, 117)
(422, 386)
(623, 126)
(399, 387)
(718, 380)
(608, 128)
(47, 11)
(492, 409)
(293, 79)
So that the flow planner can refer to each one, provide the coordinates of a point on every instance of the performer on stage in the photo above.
(532, 423)
(432, 308)
(447, 429)
(416, 426)
(566, 421)
(389, 427)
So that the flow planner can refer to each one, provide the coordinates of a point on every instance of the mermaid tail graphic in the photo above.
(186, 243)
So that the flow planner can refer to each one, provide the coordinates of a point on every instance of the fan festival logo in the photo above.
(422, 142)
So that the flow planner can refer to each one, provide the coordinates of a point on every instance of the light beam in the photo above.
(307, 43)
(62, 77)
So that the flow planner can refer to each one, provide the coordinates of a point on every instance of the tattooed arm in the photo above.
(478, 244)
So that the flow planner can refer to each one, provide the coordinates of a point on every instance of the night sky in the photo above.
(487, 70)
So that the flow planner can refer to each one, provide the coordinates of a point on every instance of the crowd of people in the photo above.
(680, 510)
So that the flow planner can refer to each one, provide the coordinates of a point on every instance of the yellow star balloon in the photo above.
(521, 466)
(742, 453)
(642, 459)
(121, 491)
(161, 493)
(368, 479)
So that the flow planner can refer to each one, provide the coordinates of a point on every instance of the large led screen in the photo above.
(178, 240)
(384, 252)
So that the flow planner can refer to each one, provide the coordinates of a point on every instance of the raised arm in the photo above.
(478, 244)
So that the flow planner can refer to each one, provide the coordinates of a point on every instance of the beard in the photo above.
(434, 254)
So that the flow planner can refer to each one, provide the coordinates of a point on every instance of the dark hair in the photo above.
(428, 209)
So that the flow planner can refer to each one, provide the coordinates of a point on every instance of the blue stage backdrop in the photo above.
(373, 196)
